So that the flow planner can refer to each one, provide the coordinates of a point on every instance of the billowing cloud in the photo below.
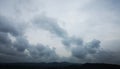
(20, 50)
(83, 20)
(41, 53)
(81, 51)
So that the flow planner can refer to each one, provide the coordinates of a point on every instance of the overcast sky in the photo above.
(76, 31)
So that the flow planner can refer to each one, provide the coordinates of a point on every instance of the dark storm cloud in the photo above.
(20, 50)
(21, 43)
(7, 47)
(6, 25)
(4, 38)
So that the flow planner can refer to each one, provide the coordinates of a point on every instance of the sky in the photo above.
(76, 31)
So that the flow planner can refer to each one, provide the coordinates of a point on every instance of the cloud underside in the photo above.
(84, 18)
(21, 51)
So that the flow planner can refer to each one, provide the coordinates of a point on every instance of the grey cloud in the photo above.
(72, 40)
(41, 53)
(79, 52)
(21, 44)
(10, 51)
(93, 46)
(3, 38)
(7, 47)
(92, 52)
(16, 51)
(106, 57)
(49, 24)
(5, 58)
(6, 25)
(82, 51)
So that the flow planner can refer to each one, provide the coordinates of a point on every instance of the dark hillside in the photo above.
(57, 66)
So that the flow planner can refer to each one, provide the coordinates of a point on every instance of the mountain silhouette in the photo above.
(55, 65)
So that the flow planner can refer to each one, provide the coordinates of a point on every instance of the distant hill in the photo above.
(56, 65)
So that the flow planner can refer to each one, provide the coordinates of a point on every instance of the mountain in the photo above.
(56, 65)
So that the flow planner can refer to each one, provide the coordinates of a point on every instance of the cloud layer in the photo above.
(20, 50)
(68, 27)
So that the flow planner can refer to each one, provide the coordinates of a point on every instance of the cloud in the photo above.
(72, 40)
(81, 51)
(93, 46)
(20, 50)
(41, 53)
(49, 24)
(7, 25)
(104, 56)
(3, 38)
(92, 52)
(5, 58)
(21, 44)
(6, 46)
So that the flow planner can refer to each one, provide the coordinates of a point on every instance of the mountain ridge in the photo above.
(56, 65)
